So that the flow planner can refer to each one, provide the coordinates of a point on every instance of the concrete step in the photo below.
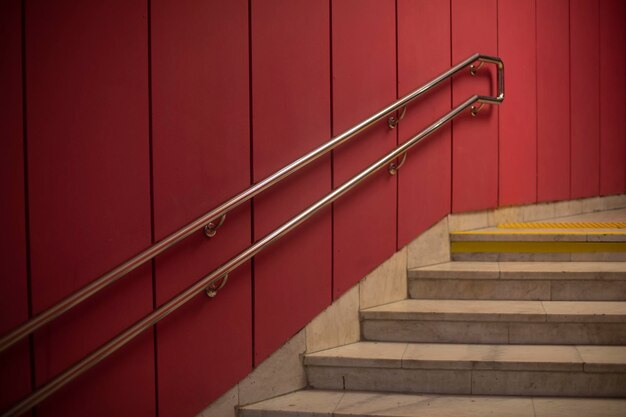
(548, 245)
(559, 281)
(502, 322)
(588, 371)
(317, 403)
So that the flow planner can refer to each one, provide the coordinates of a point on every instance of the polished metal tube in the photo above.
(110, 277)
(123, 338)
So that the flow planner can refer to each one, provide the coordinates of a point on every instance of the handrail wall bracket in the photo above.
(210, 229)
(475, 109)
(474, 68)
(393, 121)
(212, 289)
(394, 167)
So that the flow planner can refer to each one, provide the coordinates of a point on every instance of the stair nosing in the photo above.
(565, 270)
(536, 311)
(486, 357)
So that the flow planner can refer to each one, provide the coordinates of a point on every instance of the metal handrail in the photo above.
(183, 297)
(112, 276)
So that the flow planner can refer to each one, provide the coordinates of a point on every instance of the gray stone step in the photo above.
(559, 281)
(317, 403)
(590, 371)
(502, 322)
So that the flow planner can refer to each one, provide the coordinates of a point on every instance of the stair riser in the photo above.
(498, 289)
(539, 256)
(478, 382)
(493, 332)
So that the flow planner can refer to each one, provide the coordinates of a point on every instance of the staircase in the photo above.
(528, 320)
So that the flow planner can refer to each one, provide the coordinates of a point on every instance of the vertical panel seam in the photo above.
(497, 108)
(397, 136)
(252, 261)
(150, 143)
(622, 33)
(332, 153)
(152, 206)
(451, 122)
(569, 69)
(29, 286)
(536, 107)
(599, 106)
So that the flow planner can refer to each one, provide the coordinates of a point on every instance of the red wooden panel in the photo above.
(201, 157)
(553, 100)
(518, 114)
(474, 139)
(14, 363)
(364, 80)
(424, 180)
(585, 98)
(290, 116)
(612, 97)
(89, 190)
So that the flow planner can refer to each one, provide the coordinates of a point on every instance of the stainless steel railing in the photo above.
(209, 219)
(211, 280)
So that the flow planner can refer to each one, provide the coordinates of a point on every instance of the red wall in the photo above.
(612, 103)
(474, 139)
(585, 89)
(15, 374)
(124, 120)
(290, 116)
(518, 130)
(364, 80)
(190, 175)
(553, 101)
(88, 154)
(424, 181)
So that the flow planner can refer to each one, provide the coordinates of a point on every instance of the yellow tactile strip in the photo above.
(533, 232)
(563, 225)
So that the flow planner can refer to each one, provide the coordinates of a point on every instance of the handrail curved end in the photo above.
(499, 63)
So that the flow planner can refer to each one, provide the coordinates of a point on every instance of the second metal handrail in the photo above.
(217, 215)
(179, 300)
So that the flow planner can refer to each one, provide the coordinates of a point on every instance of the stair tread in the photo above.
(314, 403)
(540, 235)
(521, 270)
(473, 356)
(500, 310)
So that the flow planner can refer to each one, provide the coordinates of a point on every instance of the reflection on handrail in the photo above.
(216, 215)
(183, 297)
